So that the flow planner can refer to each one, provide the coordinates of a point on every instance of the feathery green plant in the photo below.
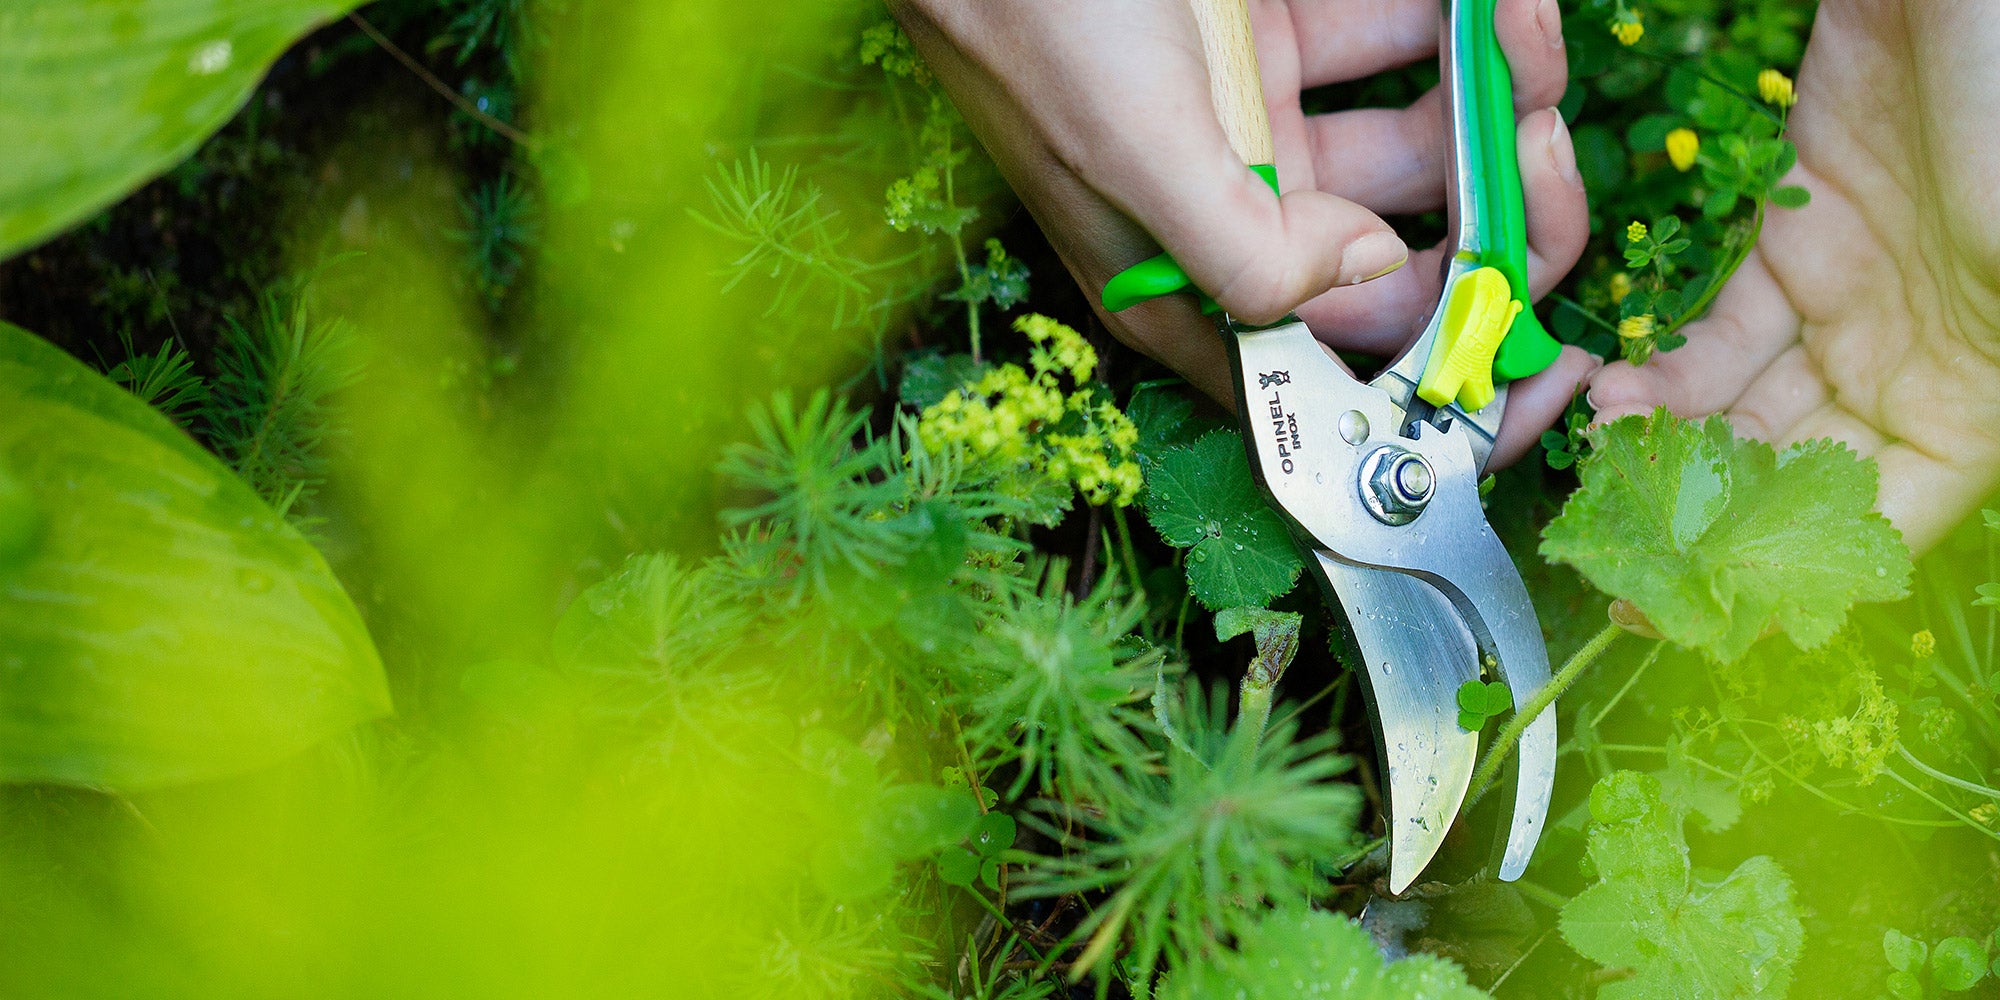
(268, 411)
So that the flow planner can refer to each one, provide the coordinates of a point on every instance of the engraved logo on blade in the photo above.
(1284, 424)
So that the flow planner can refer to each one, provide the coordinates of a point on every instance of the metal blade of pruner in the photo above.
(1378, 480)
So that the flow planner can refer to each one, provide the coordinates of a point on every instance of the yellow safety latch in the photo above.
(1477, 316)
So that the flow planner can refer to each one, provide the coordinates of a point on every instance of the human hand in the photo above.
(1871, 315)
(1099, 116)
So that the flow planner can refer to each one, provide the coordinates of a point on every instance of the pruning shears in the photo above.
(1379, 480)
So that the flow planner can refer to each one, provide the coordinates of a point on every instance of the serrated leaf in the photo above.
(1715, 538)
(1292, 953)
(1682, 939)
(114, 92)
(1166, 418)
(159, 622)
(930, 377)
(1200, 497)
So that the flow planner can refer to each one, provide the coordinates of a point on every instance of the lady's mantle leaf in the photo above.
(1682, 939)
(1716, 538)
(1200, 497)
(1307, 953)
(158, 622)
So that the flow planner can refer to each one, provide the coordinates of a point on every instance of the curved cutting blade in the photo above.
(1417, 654)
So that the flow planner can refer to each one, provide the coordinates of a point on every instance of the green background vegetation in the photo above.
(549, 542)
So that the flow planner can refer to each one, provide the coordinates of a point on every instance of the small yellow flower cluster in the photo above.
(1682, 145)
(1776, 89)
(1627, 27)
(1635, 232)
(1619, 287)
(1012, 418)
(1861, 741)
(1636, 327)
(1986, 813)
(1923, 645)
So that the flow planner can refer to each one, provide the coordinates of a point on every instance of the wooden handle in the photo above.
(1233, 84)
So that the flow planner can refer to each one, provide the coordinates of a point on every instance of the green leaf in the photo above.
(1905, 986)
(1296, 952)
(930, 377)
(1989, 595)
(914, 820)
(1166, 418)
(1905, 953)
(105, 94)
(160, 623)
(1958, 963)
(1682, 938)
(1717, 538)
(958, 866)
(993, 833)
(1790, 196)
(1201, 498)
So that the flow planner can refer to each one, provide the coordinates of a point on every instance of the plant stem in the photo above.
(1510, 735)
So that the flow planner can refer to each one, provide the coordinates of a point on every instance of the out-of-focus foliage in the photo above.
(1681, 937)
(159, 623)
(112, 96)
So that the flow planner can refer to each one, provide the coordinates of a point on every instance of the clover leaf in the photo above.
(1717, 538)
(1480, 701)
(1682, 938)
(1200, 497)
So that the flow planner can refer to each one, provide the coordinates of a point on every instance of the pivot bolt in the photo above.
(1396, 484)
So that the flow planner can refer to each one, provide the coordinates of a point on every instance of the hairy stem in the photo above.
(1510, 735)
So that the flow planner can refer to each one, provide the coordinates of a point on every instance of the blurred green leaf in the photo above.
(105, 94)
(1682, 938)
(1904, 953)
(1958, 963)
(160, 623)
(1307, 953)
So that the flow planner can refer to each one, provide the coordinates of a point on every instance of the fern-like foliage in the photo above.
(1049, 681)
(268, 413)
(1195, 849)
(501, 227)
(789, 236)
(823, 504)
(164, 378)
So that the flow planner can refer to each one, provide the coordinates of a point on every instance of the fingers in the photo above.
(1393, 160)
(1751, 324)
(1347, 41)
(1535, 403)
(1382, 316)
(1785, 394)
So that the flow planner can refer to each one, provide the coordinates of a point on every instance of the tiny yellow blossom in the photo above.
(1627, 28)
(1682, 144)
(1621, 286)
(1923, 645)
(1635, 327)
(1635, 232)
(1986, 813)
(1776, 88)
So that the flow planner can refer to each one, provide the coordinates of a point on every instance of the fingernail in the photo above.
(1590, 397)
(1373, 256)
(1551, 22)
(1562, 151)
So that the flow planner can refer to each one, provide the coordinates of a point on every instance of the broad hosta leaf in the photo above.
(1200, 497)
(101, 95)
(158, 622)
(1717, 539)
(1682, 939)
(1308, 953)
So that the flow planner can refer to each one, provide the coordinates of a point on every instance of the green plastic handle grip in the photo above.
(1493, 171)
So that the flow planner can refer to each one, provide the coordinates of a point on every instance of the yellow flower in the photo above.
(1635, 327)
(1621, 286)
(1627, 28)
(1923, 645)
(1986, 813)
(1682, 144)
(1635, 232)
(1776, 88)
